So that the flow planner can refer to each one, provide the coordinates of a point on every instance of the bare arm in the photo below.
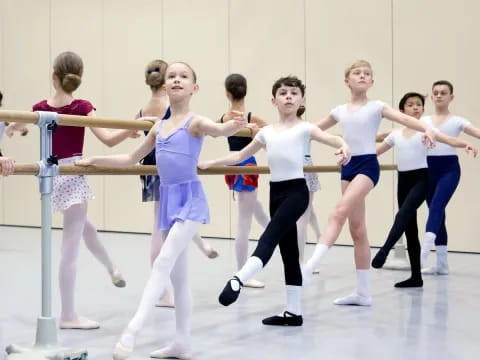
(202, 125)
(472, 131)
(258, 121)
(382, 135)
(410, 122)
(333, 141)
(124, 159)
(110, 138)
(382, 147)
(20, 127)
(234, 157)
(327, 122)
(458, 143)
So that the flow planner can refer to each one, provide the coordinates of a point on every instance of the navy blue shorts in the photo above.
(362, 164)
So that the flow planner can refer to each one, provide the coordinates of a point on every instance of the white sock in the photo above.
(442, 256)
(363, 283)
(427, 245)
(294, 299)
(318, 254)
(251, 267)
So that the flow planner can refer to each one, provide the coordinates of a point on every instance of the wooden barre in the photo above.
(33, 169)
(30, 117)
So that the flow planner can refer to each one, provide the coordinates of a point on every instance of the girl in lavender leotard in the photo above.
(183, 205)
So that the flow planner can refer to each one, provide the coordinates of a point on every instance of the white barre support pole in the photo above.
(46, 343)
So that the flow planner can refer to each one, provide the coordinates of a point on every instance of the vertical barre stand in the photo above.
(46, 343)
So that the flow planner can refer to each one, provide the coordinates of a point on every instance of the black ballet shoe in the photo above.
(379, 259)
(288, 319)
(228, 295)
(410, 283)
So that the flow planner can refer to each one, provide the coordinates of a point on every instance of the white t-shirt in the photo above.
(359, 128)
(452, 127)
(285, 150)
(411, 152)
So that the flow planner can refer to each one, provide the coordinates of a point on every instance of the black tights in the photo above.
(288, 202)
(411, 193)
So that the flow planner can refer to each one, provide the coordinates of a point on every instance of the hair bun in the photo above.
(71, 82)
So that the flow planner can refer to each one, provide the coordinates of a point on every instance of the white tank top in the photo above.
(452, 127)
(285, 150)
(359, 128)
(411, 152)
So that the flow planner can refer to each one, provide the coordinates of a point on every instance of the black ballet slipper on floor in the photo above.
(229, 295)
(288, 319)
(379, 259)
(410, 283)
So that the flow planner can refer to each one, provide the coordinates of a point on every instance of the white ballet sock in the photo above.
(312, 263)
(427, 245)
(361, 296)
(363, 283)
(251, 267)
(442, 258)
(294, 299)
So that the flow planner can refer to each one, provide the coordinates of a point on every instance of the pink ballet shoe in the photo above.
(171, 352)
(166, 301)
(121, 352)
(79, 324)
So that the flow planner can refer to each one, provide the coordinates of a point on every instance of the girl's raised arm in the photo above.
(203, 125)
(111, 138)
(124, 159)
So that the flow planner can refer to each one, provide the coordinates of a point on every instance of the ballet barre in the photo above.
(64, 169)
(29, 117)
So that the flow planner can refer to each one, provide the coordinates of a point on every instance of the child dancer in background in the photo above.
(245, 186)
(360, 119)
(412, 185)
(71, 193)
(444, 174)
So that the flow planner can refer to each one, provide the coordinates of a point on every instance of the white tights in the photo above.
(302, 225)
(171, 263)
(248, 206)
(76, 224)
